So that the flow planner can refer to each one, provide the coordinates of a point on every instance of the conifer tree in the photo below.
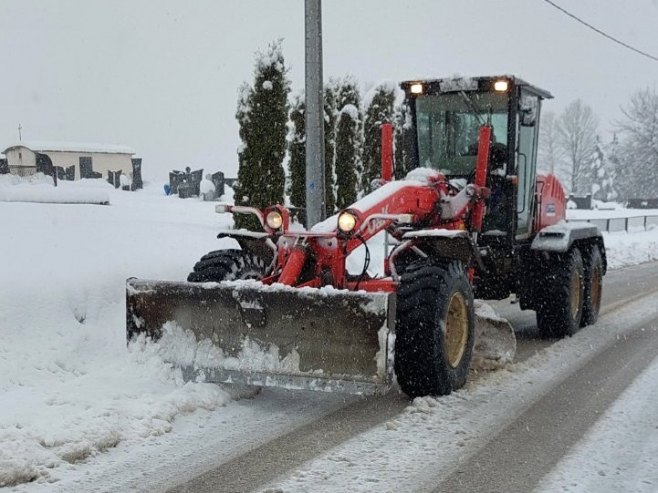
(403, 138)
(602, 180)
(297, 155)
(378, 110)
(347, 156)
(349, 148)
(330, 117)
(297, 151)
(262, 116)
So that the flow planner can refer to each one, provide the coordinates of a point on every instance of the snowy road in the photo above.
(532, 439)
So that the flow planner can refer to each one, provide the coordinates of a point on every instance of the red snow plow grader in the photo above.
(472, 220)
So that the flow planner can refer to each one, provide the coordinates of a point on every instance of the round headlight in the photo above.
(346, 222)
(274, 219)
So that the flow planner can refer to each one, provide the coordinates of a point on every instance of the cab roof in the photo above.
(482, 84)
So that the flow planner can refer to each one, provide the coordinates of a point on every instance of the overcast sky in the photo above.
(162, 76)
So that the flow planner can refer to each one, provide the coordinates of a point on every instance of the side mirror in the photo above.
(528, 110)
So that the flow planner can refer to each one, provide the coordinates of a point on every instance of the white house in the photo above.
(81, 160)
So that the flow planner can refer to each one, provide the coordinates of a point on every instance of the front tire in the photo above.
(228, 265)
(435, 329)
(560, 310)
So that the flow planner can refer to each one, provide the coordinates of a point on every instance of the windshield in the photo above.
(448, 128)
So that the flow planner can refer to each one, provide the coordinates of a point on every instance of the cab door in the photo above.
(527, 127)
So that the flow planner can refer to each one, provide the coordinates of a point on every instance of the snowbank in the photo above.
(70, 387)
(40, 188)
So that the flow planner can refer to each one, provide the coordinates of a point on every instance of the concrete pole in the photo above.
(314, 115)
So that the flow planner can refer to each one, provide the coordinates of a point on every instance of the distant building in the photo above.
(73, 160)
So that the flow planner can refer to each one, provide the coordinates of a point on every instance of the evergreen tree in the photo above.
(614, 167)
(347, 92)
(348, 148)
(297, 155)
(262, 115)
(403, 140)
(297, 152)
(378, 109)
(347, 157)
(602, 181)
(330, 117)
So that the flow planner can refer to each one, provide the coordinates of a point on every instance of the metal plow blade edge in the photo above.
(249, 333)
(495, 341)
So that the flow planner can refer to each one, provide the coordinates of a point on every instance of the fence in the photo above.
(616, 224)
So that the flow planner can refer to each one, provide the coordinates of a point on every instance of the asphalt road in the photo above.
(518, 457)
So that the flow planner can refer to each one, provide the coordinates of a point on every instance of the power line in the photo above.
(611, 38)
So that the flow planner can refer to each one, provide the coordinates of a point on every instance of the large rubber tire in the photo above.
(228, 265)
(435, 329)
(561, 308)
(593, 287)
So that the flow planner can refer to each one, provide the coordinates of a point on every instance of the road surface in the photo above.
(513, 458)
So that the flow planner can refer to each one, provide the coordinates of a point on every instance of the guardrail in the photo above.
(617, 224)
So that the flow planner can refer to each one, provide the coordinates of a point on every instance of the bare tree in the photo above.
(551, 156)
(577, 128)
(638, 170)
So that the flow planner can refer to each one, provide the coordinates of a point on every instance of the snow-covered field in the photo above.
(70, 388)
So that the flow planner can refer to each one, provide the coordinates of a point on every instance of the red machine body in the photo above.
(551, 202)
(425, 198)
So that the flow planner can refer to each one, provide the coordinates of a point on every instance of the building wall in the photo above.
(101, 162)
(21, 156)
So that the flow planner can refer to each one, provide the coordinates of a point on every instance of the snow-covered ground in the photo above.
(70, 388)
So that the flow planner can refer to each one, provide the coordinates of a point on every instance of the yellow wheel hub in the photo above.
(576, 293)
(456, 329)
(597, 281)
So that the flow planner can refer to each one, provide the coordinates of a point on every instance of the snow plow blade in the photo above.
(248, 333)
(495, 341)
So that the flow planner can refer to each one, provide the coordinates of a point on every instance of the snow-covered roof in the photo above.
(40, 146)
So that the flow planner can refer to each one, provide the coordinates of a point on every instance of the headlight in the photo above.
(274, 219)
(416, 88)
(346, 222)
(500, 85)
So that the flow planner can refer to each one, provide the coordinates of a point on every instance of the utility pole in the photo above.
(314, 114)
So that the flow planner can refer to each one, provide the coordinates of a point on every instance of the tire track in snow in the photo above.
(518, 457)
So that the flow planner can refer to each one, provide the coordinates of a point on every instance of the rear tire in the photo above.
(593, 287)
(560, 310)
(435, 329)
(228, 265)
